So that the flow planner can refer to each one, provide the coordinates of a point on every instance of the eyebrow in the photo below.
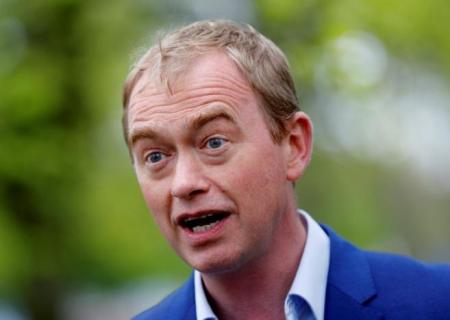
(141, 134)
(197, 123)
(207, 117)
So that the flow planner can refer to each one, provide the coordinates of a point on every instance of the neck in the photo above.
(258, 289)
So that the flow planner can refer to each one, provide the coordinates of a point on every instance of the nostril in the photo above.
(190, 188)
(189, 194)
(196, 192)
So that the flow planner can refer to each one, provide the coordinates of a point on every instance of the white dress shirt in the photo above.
(306, 297)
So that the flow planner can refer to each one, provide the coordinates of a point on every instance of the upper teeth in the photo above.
(195, 218)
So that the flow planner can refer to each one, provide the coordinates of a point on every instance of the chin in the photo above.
(214, 264)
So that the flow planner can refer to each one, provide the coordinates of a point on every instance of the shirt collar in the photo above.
(310, 279)
(202, 307)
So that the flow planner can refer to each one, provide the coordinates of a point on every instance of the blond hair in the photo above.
(261, 62)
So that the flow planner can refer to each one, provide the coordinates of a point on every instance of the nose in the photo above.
(189, 178)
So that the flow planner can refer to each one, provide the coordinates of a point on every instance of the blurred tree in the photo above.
(44, 126)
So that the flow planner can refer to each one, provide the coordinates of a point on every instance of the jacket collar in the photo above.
(187, 305)
(350, 285)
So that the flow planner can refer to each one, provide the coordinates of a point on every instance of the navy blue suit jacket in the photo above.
(361, 285)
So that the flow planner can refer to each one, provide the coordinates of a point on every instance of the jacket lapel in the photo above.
(187, 309)
(350, 286)
(182, 303)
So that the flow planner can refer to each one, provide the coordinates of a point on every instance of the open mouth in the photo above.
(204, 222)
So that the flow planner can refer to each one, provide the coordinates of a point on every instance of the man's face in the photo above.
(209, 171)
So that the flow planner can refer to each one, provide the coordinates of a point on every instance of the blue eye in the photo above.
(154, 157)
(215, 143)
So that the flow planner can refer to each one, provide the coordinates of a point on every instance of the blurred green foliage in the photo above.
(71, 213)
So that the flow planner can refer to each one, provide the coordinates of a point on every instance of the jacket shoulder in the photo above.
(405, 284)
(180, 304)
(383, 285)
(392, 269)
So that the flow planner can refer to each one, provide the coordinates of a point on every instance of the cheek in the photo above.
(249, 177)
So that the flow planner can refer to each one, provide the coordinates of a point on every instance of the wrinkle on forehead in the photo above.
(154, 103)
(161, 99)
(159, 107)
(174, 114)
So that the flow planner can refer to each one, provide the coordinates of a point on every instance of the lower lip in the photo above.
(199, 238)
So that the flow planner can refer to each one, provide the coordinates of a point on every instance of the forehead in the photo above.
(212, 78)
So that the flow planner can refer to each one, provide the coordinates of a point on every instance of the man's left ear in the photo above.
(298, 145)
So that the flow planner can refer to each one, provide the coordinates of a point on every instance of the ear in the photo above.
(298, 145)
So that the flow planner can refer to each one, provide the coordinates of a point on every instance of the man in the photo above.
(217, 141)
